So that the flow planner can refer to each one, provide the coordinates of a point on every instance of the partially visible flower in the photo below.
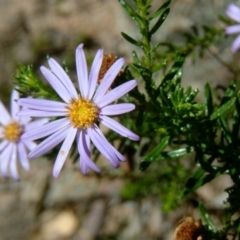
(80, 114)
(233, 12)
(12, 147)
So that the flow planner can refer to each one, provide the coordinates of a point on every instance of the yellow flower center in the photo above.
(13, 131)
(82, 113)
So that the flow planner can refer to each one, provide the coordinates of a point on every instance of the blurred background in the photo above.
(110, 205)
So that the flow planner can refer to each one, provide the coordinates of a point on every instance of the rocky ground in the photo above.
(90, 207)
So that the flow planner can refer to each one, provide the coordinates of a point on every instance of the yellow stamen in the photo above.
(82, 113)
(13, 131)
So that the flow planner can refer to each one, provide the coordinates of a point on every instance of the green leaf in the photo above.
(160, 21)
(206, 218)
(145, 162)
(198, 179)
(208, 100)
(136, 59)
(221, 110)
(175, 69)
(179, 152)
(131, 12)
(131, 40)
(160, 10)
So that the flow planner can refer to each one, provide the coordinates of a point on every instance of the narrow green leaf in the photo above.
(160, 21)
(198, 179)
(131, 40)
(208, 100)
(179, 152)
(131, 12)
(154, 153)
(136, 59)
(160, 10)
(206, 218)
(221, 110)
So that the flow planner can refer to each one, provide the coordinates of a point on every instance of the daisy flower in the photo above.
(12, 147)
(233, 12)
(79, 115)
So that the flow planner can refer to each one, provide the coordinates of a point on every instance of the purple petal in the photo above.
(63, 77)
(43, 105)
(117, 127)
(117, 93)
(36, 113)
(94, 73)
(82, 71)
(3, 144)
(116, 109)
(64, 150)
(22, 155)
(49, 143)
(103, 146)
(5, 117)
(1, 133)
(118, 154)
(46, 129)
(236, 44)
(13, 163)
(30, 145)
(233, 11)
(14, 106)
(35, 124)
(56, 84)
(233, 29)
(108, 79)
(84, 150)
(5, 158)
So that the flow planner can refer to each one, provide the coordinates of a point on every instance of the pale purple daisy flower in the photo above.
(80, 113)
(12, 147)
(233, 12)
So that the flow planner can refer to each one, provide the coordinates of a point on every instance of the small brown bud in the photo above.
(189, 229)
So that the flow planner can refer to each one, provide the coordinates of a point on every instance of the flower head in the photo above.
(12, 147)
(233, 12)
(80, 114)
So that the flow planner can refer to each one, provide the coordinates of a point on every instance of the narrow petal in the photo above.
(35, 124)
(56, 84)
(5, 117)
(108, 79)
(116, 109)
(84, 150)
(117, 127)
(110, 146)
(94, 73)
(1, 132)
(14, 106)
(233, 11)
(45, 130)
(83, 166)
(63, 77)
(236, 44)
(233, 29)
(36, 113)
(102, 145)
(5, 158)
(49, 143)
(30, 145)
(22, 155)
(13, 163)
(82, 71)
(3, 144)
(43, 105)
(63, 152)
(117, 93)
